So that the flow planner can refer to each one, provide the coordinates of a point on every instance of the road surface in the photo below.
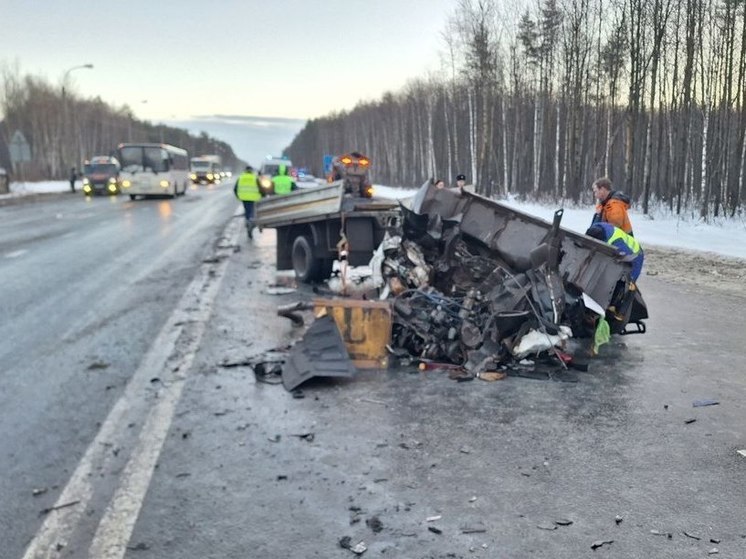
(154, 449)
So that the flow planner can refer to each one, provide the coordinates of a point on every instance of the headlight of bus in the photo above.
(164, 184)
(126, 184)
(209, 176)
(86, 181)
(265, 183)
(193, 176)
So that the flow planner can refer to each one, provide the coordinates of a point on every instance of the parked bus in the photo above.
(153, 170)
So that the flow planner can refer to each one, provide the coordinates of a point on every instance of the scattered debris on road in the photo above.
(475, 288)
(704, 403)
(58, 507)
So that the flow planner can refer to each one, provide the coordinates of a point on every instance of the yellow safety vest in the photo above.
(248, 189)
(283, 184)
(628, 240)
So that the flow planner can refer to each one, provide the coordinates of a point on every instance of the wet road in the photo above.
(85, 287)
(500, 463)
(204, 462)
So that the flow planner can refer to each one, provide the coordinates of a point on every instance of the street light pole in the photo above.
(65, 119)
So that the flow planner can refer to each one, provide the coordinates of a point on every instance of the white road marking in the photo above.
(115, 528)
(15, 253)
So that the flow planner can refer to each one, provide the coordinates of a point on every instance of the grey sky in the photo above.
(172, 60)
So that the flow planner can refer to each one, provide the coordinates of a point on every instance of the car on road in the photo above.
(101, 175)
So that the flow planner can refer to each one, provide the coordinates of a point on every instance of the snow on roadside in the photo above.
(726, 237)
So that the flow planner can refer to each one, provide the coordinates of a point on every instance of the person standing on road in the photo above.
(624, 243)
(612, 206)
(246, 189)
(283, 183)
(73, 178)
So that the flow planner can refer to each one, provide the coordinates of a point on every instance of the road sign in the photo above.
(19, 148)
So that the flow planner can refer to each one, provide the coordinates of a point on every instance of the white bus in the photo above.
(153, 170)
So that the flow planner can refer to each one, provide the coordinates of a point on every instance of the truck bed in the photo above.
(313, 204)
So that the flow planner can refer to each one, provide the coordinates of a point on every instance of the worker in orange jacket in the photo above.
(612, 206)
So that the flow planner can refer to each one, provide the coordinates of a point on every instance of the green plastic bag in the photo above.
(602, 335)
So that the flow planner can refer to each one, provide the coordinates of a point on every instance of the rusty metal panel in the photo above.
(365, 327)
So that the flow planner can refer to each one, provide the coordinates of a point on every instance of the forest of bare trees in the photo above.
(541, 101)
(64, 129)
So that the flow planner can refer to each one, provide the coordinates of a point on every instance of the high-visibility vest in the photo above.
(248, 188)
(283, 184)
(628, 240)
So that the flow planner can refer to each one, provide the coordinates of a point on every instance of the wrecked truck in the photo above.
(316, 226)
(482, 285)
(481, 290)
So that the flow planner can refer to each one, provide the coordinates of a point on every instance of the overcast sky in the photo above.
(177, 59)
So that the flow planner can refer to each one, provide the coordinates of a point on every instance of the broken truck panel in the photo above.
(592, 265)
(365, 327)
(320, 353)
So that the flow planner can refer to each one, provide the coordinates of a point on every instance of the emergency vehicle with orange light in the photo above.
(334, 221)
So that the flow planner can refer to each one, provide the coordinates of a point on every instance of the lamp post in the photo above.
(65, 118)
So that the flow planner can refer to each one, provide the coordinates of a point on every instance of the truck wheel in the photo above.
(306, 267)
(132, 196)
(325, 269)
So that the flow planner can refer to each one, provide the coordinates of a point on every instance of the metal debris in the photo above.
(705, 402)
(477, 285)
(320, 353)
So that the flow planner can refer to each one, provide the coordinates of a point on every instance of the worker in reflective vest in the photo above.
(282, 182)
(246, 189)
(624, 243)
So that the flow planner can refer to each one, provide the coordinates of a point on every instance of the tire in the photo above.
(325, 269)
(307, 267)
(175, 193)
(132, 196)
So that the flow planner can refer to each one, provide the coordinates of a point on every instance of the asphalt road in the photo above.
(86, 285)
(153, 449)
(511, 458)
